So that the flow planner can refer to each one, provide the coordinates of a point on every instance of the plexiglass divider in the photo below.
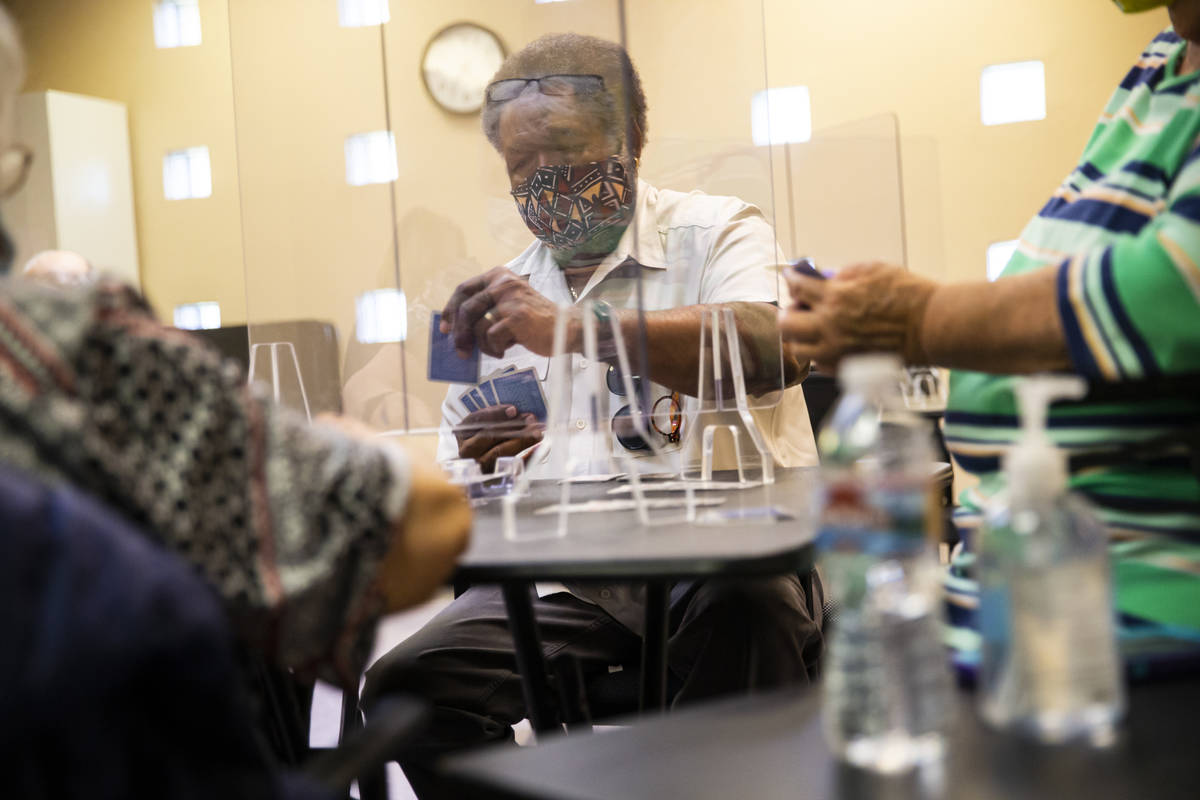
(273, 349)
(366, 206)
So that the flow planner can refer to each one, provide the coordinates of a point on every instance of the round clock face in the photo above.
(458, 64)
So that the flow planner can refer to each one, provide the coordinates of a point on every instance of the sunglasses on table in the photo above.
(553, 85)
(666, 416)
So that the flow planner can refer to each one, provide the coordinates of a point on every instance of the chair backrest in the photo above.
(316, 347)
(117, 672)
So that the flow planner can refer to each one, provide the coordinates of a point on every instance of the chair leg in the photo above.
(531, 666)
(372, 785)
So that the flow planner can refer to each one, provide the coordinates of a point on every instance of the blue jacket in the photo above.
(117, 675)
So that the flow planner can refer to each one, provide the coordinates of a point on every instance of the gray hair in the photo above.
(12, 73)
(576, 54)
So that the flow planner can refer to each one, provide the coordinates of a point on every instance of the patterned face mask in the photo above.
(566, 206)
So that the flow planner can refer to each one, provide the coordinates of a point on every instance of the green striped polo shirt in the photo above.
(1123, 231)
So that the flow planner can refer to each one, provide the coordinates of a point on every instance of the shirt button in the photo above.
(605, 594)
(579, 423)
(583, 364)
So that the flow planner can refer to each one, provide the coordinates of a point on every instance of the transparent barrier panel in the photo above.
(316, 162)
(845, 195)
(383, 186)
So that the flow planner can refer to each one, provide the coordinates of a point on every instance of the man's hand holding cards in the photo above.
(507, 415)
(495, 431)
(520, 389)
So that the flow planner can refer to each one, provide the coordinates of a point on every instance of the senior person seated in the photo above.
(308, 533)
(598, 229)
(1104, 284)
(555, 112)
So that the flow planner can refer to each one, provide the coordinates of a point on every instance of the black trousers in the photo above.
(725, 636)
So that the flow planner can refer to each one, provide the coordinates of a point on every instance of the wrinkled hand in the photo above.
(515, 314)
(490, 433)
(865, 308)
(428, 539)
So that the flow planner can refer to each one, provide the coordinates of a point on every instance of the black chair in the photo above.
(119, 674)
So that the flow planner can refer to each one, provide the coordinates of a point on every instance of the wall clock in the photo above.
(458, 64)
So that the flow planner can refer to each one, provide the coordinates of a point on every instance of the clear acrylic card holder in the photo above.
(273, 349)
(710, 331)
(502, 481)
(557, 431)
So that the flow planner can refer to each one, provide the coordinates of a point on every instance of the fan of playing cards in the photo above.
(509, 386)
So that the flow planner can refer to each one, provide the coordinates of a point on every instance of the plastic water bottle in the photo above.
(887, 684)
(1049, 665)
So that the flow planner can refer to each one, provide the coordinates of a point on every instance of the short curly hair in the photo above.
(577, 54)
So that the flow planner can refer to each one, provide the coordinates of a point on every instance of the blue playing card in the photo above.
(523, 390)
(489, 393)
(478, 398)
(444, 363)
(465, 399)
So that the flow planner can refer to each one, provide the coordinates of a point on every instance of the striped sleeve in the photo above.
(1131, 310)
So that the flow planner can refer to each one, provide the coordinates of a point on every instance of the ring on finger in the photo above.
(490, 317)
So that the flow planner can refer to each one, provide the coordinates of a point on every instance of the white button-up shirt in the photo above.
(692, 249)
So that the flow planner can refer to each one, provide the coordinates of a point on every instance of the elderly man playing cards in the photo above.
(556, 112)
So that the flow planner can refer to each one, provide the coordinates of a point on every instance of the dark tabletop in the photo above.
(614, 546)
(770, 747)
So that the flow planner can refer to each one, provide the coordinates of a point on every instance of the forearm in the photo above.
(1009, 326)
(673, 342)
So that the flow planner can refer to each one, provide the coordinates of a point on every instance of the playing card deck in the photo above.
(509, 387)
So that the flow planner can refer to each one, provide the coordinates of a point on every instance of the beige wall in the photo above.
(190, 250)
(922, 59)
(966, 185)
(701, 59)
(299, 85)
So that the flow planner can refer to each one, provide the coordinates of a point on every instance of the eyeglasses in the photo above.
(666, 416)
(14, 169)
(553, 85)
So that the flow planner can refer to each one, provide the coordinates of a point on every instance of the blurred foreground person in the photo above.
(307, 533)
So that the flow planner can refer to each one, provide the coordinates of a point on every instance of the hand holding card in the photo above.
(490, 433)
(444, 362)
(803, 267)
